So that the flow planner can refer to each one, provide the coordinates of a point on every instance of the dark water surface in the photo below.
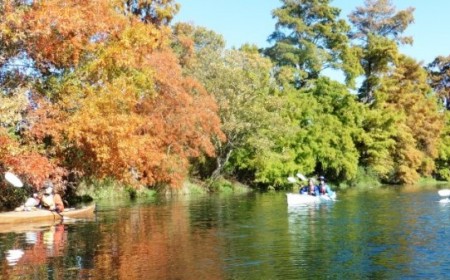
(385, 234)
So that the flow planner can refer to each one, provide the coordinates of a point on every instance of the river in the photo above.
(376, 234)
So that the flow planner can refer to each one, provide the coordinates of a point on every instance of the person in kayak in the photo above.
(310, 189)
(51, 200)
(31, 203)
(324, 189)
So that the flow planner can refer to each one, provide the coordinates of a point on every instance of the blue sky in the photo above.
(250, 21)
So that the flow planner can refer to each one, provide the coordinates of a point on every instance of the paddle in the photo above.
(302, 177)
(16, 182)
(13, 179)
(292, 180)
(62, 217)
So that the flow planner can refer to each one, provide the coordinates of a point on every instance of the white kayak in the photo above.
(298, 199)
(444, 192)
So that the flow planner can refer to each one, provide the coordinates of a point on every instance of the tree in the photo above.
(333, 123)
(419, 123)
(443, 160)
(378, 27)
(109, 98)
(249, 108)
(156, 12)
(379, 18)
(309, 37)
(439, 78)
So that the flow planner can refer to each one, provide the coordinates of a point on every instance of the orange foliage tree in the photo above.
(115, 102)
(21, 160)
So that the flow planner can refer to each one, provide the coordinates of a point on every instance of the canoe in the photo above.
(41, 225)
(298, 199)
(41, 215)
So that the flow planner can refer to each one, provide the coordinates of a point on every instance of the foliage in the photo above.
(156, 12)
(377, 140)
(378, 29)
(439, 75)
(106, 90)
(109, 99)
(419, 122)
(443, 160)
(240, 82)
(378, 17)
(309, 37)
(316, 136)
(365, 178)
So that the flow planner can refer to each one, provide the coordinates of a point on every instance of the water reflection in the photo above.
(36, 251)
(31, 250)
(13, 256)
(364, 235)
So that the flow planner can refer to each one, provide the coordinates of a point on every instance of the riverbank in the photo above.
(109, 189)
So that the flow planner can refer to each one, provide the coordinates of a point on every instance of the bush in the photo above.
(365, 178)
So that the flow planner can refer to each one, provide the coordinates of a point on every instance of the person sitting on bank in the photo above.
(51, 200)
(324, 189)
(310, 189)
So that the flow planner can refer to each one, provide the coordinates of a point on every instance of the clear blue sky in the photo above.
(250, 21)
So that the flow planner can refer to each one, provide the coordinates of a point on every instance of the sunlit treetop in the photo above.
(379, 17)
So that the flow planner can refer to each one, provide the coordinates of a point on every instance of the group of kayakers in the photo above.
(47, 200)
(316, 190)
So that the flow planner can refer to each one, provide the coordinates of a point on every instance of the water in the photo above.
(386, 234)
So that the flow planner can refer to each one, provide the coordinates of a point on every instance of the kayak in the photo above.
(40, 215)
(445, 194)
(36, 226)
(298, 199)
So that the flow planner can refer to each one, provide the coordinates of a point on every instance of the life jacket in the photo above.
(47, 201)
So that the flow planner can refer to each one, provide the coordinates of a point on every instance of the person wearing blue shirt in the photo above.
(310, 189)
(324, 189)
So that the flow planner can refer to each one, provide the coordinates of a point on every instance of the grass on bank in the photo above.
(110, 189)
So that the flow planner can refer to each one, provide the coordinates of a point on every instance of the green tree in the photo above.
(333, 124)
(320, 127)
(443, 160)
(309, 37)
(439, 78)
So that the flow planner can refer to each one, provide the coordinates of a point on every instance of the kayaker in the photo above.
(310, 189)
(30, 204)
(323, 187)
(51, 200)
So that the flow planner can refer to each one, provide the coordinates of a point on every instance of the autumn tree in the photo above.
(394, 142)
(109, 98)
(419, 120)
(378, 30)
